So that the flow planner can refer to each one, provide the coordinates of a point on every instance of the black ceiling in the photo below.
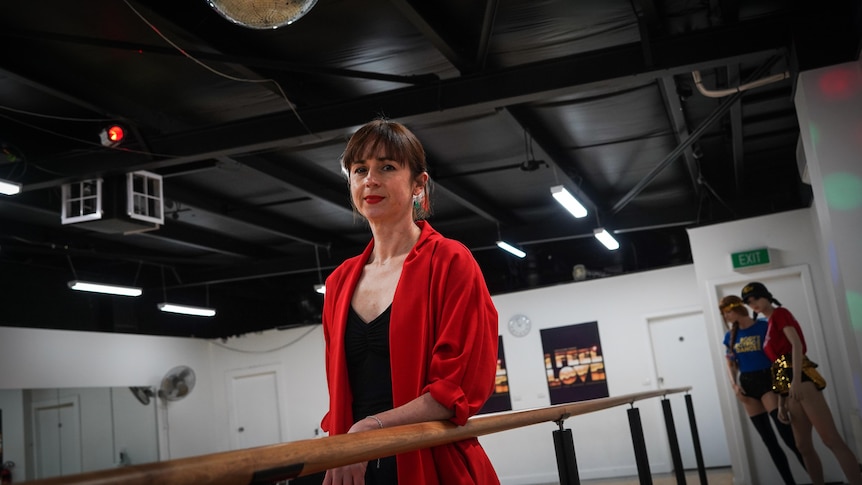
(509, 97)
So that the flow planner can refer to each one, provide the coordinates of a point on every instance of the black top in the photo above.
(366, 346)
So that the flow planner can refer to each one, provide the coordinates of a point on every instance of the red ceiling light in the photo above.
(112, 135)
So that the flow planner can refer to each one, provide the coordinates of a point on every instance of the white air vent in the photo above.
(145, 200)
(82, 201)
(122, 204)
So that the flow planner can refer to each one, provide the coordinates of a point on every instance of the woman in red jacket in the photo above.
(409, 325)
(799, 385)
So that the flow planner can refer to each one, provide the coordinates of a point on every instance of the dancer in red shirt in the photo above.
(796, 380)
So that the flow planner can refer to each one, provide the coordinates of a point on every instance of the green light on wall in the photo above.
(854, 305)
(815, 136)
(843, 191)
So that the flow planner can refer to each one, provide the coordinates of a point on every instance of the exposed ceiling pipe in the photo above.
(720, 93)
(724, 107)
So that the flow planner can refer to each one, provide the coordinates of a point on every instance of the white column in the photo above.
(829, 107)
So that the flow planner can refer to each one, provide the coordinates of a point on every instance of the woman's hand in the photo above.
(347, 475)
(351, 474)
(740, 393)
(783, 415)
(793, 392)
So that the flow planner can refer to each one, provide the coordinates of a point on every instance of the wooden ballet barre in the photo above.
(268, 464)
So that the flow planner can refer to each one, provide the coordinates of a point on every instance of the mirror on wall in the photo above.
(57, 432)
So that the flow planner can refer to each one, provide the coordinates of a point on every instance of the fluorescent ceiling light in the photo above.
(320, 288)
(568, 201)
(512, 249)
(606, 238)
(101, 288)
(9, 188)
(187, 310)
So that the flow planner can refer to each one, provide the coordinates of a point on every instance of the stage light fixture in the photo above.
(606, 238)
(567, 200)
(9, 188)
(186, 309)
(103, 288)
(511, 249)
(112, 135)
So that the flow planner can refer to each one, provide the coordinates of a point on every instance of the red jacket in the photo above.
(442, 339)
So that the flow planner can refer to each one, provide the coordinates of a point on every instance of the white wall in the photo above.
(195, 425)
(12, 404)
(621, 305)
(791, 238)
(198, 424)
(829, 108)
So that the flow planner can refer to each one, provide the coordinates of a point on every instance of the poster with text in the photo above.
(574, 364)
(500, 399)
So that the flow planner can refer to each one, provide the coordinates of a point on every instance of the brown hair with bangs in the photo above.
(732, 303)
(395, 142)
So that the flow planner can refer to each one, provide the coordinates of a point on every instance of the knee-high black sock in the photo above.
(786, 433)
(761, 424)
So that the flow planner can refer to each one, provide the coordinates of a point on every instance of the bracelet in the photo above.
(379, 423)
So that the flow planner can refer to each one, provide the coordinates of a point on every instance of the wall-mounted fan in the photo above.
(142, 394)
(262, 14)
(177, 383)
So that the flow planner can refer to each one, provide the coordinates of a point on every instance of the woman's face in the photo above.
(758, 304)
(382, 189)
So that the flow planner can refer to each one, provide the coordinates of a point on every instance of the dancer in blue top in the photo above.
(750, 375)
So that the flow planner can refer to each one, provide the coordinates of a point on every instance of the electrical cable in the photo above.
(217, 72)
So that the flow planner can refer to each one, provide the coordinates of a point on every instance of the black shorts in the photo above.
(756, 383)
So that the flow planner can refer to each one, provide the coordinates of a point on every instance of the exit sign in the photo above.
(747, 259)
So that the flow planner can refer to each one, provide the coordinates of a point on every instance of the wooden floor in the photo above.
(714, 476)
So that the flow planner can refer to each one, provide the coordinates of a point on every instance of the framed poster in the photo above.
(574, 364)
(500, 400)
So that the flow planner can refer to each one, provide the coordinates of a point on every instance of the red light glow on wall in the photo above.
(839, 84)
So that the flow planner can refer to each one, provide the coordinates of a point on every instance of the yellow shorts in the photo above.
(782, 374)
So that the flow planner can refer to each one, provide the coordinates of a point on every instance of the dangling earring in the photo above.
(416, 206)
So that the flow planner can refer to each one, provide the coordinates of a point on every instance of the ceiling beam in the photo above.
(483, 91)
(464, 45)
(720, 111)
(296, 176)
(468, 199)
(736, 141)
(277, 226)
(438, 35)
(175, 232)
(239, 60)
(486, 32)
(676, 117)
(550, 150)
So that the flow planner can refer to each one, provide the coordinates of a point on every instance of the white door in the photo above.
(792, 286)
(682, 356)
(57, 436)
(255, 418)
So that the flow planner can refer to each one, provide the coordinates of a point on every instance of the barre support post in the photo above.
(695, 438)
(564, 445)
(640, 446)
(676, 458)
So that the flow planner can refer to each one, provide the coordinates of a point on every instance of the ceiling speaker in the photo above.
(262, 14)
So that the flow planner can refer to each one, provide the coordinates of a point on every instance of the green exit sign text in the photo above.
(747, 259)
